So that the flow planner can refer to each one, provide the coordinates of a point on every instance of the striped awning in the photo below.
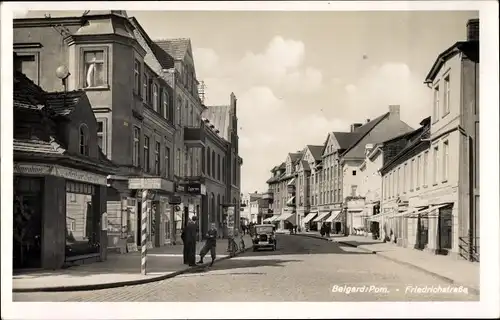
(285, 216)
(290, 200)
(334, 215)
(322, 216)
(291, 183)
(310, 216)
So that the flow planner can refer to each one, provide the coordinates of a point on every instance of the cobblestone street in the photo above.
(302, 269)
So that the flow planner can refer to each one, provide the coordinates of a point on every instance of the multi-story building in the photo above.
(442, 180)
(60, 177)
(221, 164)
(252, 205)
(131, 103)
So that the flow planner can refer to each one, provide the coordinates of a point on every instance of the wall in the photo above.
(371, 180)
(351, 177)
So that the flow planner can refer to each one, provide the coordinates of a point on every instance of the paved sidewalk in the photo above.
(456, 271)
(118, 270)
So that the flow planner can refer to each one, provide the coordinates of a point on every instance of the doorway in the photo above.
(445, 224)
(27, 223)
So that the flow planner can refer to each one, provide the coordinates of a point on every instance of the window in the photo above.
(213, 164)
(436, 164)
(150, 91)
(155, 97)
(419, 163)
(101, 135)
(446, 102)
(27, 64)
(179, 113)
(446, 148)
(144, 87)
(137, 139)
(353, 190)
(146, 153)
(424, 168)
(218, 167)
(166, 111)
(84, 140)
(167, 162)
(436, 104)
(157, 159)
(223, 171)
(405, 177)
(186, 163)
(191, 120)
(72, 197)
(94, 68)
(398, 178)
(186, 113)
(353, 172)
(208, 162)
(178, 162)
(412, 175)
(137, 77)
(72, 225)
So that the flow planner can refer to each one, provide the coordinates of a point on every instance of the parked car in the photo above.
(264, 237)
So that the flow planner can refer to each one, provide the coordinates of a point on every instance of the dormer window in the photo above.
(84, 139)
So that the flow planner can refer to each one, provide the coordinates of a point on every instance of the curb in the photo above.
(313, 236)
(100, 286)
(444, 278)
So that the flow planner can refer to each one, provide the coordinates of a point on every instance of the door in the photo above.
(27, 222)
(445, 224)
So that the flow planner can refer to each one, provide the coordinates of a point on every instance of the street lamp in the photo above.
(63, 73)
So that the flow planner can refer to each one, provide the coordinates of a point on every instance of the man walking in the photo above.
(210, 244)
(189, 239)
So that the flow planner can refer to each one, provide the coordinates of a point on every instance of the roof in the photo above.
(37, 146)
(177, 48)
(346, 139)
(219, 116)
(62, 103)
(165, 60)
(470, 48)
(295, 157)
(305, 165)
(316, 151)
(364, 130)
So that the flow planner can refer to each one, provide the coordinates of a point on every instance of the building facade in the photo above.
(437, 174)
(60, 177)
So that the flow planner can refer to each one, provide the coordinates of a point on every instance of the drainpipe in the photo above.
(471, 200)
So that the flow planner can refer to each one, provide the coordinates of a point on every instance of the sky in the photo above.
(300, 75)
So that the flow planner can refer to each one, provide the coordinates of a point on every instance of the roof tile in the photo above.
(177, 48)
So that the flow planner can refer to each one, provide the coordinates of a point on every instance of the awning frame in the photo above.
(312, 215)
(424, 213)
(287, 214)
(290, 200)
(322, 216)
(333, 216)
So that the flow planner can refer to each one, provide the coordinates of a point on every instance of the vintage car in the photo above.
(264, 237)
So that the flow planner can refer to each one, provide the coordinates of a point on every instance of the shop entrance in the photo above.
(27, 222)
(82, 224)
(445, 223)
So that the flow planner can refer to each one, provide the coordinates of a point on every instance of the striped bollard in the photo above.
(144, 231)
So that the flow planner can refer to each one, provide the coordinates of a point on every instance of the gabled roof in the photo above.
(305, 165)
(295, 157)
(346, 139)
(220, 117)
(469, 48)
(364, 130)
(177, 48)
(165, 60)
(316, 151)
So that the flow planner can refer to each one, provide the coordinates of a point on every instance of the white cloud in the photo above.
(390, 83)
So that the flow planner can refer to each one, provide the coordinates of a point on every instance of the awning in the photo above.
(290, 200)
(334, 215)
(425, 213)
(321, 216)
(309, 217)
(285, 216)
(291, 183)
(268, 219)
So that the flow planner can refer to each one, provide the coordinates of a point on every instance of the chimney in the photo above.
(473, 30)
(394, 110)
(367, 120)
(354, 126)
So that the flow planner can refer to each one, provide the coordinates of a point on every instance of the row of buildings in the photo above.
(418, 188)
(102, 112)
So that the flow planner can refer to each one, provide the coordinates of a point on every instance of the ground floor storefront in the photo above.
(59, 216)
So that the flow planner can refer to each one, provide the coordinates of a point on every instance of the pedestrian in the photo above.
(210, 244)
(328, 229)
(189, 240)
(295, 229)
(322, 230)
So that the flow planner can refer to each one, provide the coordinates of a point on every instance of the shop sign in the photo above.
(193, 188)
(62, 172)
(180, 188)
(175, 200)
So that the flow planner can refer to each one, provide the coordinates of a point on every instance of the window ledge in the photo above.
(444, 181)
(444, 115)
(425, 186)
(434, 184)
(100, 88)
(418, 188)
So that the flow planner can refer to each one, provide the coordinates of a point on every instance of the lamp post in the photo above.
(63, 73)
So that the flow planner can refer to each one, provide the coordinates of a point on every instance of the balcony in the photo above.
(194, 137)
